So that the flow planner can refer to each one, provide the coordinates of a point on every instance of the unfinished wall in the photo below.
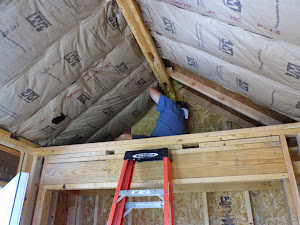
(93, 207)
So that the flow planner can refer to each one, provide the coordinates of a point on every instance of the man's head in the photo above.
(182, 104)
(184, 107)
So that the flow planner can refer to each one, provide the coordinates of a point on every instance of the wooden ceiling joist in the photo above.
(224, 99)
(135, 20)
(216, 109)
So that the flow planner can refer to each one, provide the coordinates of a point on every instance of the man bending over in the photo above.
(171, 120)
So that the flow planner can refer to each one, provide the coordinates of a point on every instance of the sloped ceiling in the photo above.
(70, 69)
(72, 72)
(251, 48)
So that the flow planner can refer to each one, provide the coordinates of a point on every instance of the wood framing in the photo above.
(216, 109)
(224, 99)
(27, 163)
(232, 159)
(134, 18)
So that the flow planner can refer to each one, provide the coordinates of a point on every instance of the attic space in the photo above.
(77, 74)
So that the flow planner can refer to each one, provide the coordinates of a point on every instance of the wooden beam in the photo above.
(205, 208)
(10, 150)
(41, 196)
(216, 109)
(96, 210)
(289, 202)
(21, 144)
(31, 192)
(291, 175)
(249, 208)
(135, 20)
(224, 99)
(138, 144)
(52, 210)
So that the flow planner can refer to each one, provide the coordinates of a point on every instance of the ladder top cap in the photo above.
(148, 155)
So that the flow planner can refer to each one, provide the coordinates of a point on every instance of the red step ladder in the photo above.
(117, 212)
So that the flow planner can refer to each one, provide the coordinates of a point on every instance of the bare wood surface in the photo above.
(191, 165)
(224, 99)
(40, 196)
(31, 192)
(291, 175)
(52, 211)
(138, 144)
(134, 19)
(249, 208)
(289, 202)
(19, 145)
(205, 208)
(216, 109)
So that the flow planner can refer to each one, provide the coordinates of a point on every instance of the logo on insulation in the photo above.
(242, 84)
(84, 97)
(226, 46)
(112, 22)
(122, 68)
(169, 25)
(293, 70)
(72, 58)
(234, 5)
(29, 95)
(192, 62)
(38, 21)
(108, 111)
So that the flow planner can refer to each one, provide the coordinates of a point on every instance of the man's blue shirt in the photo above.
(171, 120)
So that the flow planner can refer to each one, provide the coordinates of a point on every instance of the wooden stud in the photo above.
(40, 197)
(205, 208)
(79, 211)
(289, 202)
(249, 208)
(72, 210)
(224, 99)
(31, 192)
(291, 175)
(52, 211)
(96, 210)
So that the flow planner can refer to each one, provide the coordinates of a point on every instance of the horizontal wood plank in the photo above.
(193, 165)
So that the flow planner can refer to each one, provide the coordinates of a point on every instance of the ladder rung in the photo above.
(144, 205)
(142, 193)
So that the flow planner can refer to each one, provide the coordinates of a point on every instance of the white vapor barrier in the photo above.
(259, 89)
(28, 27)
(125, 119)
(55, 116)
(106, 107)
(62, 64)
(272, 18)
(277, 60)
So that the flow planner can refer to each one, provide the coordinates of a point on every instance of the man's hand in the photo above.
(123, 137)
(155, 94)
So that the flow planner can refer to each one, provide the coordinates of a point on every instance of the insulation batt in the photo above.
(28, 27)
(106, 107)
(260, 89)
(130, 115)
(276, 19)
(274, 59)
(62, 64)
(89, 88)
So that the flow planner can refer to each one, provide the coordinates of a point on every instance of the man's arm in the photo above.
(155, 94)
